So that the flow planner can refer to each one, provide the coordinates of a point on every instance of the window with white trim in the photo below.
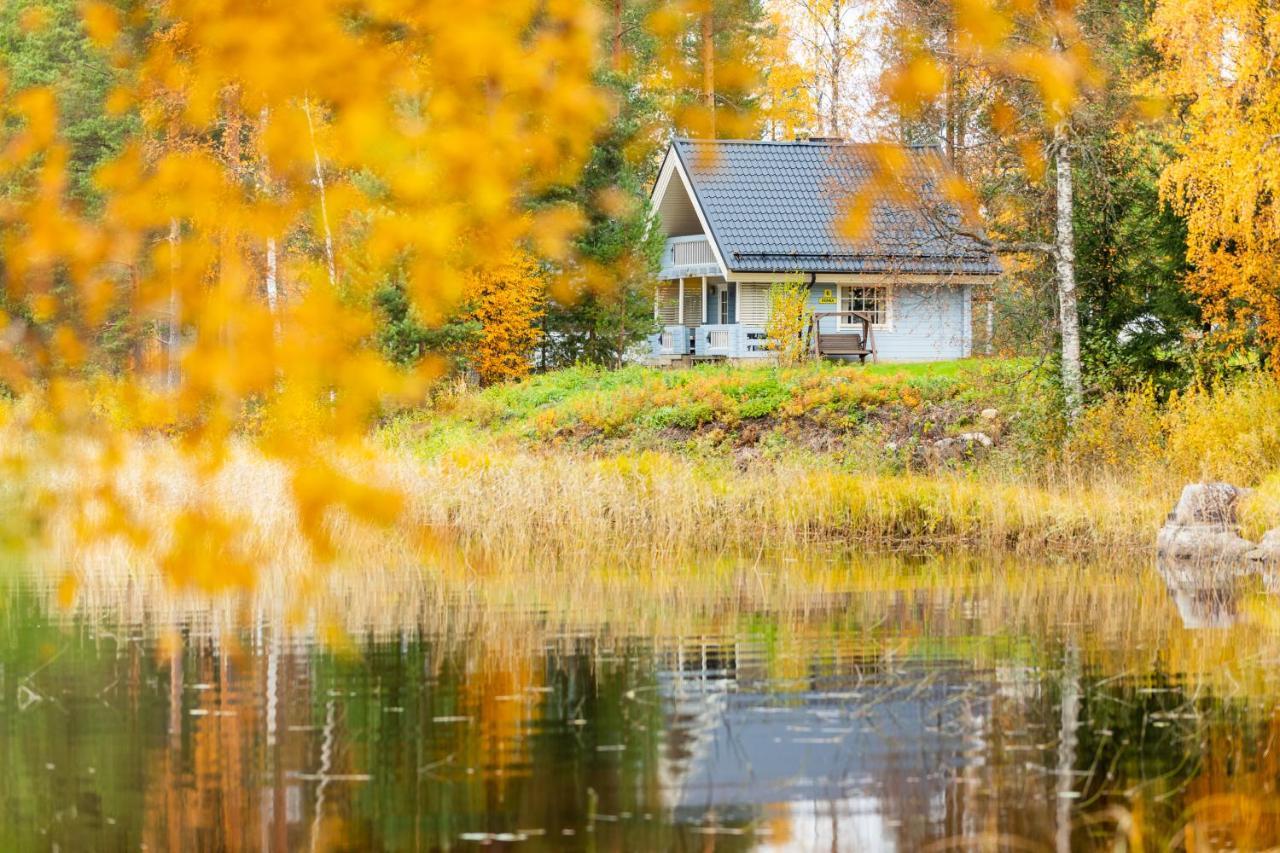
(874, 300)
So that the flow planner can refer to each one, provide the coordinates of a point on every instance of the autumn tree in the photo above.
(787, 107)
(1036, 105)
(1219, 74)
(372, 160)
(832, 37)
(602, 303)
(44, 45)
(789, 320)
(509, 301)
(407, 339)
(707, 69)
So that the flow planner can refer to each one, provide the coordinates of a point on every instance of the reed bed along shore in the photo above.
(727, 457)
(666, 505)
(526, 476)
(645, 509)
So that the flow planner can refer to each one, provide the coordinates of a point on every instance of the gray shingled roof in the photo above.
(778, 207)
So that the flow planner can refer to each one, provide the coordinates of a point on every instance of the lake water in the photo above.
(827, 704)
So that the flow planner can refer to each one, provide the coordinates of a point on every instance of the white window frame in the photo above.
(848, 323)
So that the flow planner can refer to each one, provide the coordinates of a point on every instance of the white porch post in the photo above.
(704, 299)
(680, 302)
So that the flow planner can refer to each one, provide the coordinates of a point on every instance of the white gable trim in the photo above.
(671, 165)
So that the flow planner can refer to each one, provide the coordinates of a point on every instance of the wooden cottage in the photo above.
(739, 216)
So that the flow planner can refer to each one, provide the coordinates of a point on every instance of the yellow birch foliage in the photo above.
(786, 108)
(510, 300)
(1008, 42)
(789, 319)
(335, 140)
(1225, 180)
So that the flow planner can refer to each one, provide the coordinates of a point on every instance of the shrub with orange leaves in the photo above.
(511, 299)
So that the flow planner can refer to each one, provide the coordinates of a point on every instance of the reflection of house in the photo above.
(740, 216)
(873, 752)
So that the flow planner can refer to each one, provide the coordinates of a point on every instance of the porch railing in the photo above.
(689, 251)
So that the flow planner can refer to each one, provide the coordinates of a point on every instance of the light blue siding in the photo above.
(929, 322)
(743, 341)
(678, 339)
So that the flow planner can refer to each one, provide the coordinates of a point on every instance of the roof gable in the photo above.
(777, 207)
(675, 207)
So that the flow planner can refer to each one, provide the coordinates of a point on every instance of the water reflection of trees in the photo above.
(980, 708)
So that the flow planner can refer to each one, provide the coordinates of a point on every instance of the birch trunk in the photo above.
(1065, 259)
(1067, 743)
(324, 209)
(709, 71)
(273, 290)
(837, 62)
(173, 330)
(271, 279)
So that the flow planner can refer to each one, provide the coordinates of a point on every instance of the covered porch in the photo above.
(708, 317)
(701, 314)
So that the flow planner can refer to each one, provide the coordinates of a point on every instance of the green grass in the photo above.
(709, 409)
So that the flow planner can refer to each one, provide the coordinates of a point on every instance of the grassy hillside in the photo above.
(881, 416)
(883, 455)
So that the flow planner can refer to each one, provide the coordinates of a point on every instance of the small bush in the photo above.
(1227, 432)
(693, 415)
(761, 407)
(789, 319)
(1260, 510)
(1117, 432)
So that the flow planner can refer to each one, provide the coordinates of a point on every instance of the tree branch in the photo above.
(1006, 247)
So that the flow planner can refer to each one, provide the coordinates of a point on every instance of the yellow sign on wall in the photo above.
(828, 297)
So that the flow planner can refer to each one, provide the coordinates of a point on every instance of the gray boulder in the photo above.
(963, 446)
(1203, 526)
(1268, 550)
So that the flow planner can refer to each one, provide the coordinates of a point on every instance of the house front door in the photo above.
(720, 303)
